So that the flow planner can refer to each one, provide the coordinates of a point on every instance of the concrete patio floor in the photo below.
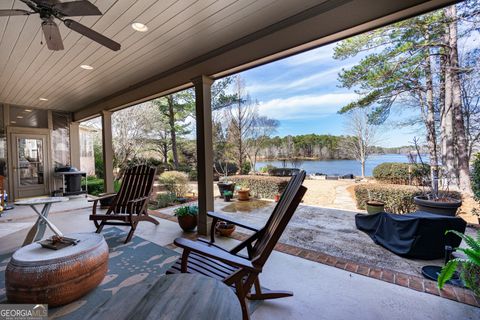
(321, 292)
(327, 230)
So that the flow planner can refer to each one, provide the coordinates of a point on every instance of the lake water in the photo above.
(342, 167)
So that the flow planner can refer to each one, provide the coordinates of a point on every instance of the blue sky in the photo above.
(303, 93)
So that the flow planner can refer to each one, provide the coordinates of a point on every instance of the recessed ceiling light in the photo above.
(140, 27)
(28, 110)
(86, 67)
(13, 121)
(43, 99)
(19, 117)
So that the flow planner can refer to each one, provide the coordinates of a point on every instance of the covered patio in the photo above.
(316, 284)
(44, 95)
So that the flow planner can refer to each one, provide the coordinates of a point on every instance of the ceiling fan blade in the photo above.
(52, 35)
(89, 33)
(77, 8)
(14, 12)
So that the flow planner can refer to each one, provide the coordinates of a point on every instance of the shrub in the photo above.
(175, 182)
(95, 186)
(397, 198)
(476, 177)
(397, 173)
(246, 167)
(165, 200)
(260, 186)
(267, 168)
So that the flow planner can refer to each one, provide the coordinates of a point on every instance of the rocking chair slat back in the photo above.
(137, 183)
(281, 215)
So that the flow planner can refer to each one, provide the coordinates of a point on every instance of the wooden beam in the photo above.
(107, 146)
(203, 110)
(75, 144)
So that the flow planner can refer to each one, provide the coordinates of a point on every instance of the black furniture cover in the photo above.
(419, 235)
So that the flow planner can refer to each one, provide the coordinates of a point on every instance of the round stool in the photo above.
(57, 277)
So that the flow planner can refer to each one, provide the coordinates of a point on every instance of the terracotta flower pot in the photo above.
(187, 223)
(243, 194)
(225, 229)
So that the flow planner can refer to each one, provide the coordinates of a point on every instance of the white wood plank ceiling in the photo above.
(179, 30)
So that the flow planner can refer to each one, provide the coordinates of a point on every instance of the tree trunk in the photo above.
(441, 103)
(460, 135)
(363, 168)
(430, 123)
(447, 121)
(173, 133)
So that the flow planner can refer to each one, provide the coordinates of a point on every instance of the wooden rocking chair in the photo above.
(238, 271)
(129, 205)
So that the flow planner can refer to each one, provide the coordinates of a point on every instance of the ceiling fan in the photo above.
(51, 9)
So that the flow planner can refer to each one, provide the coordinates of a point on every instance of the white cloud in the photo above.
(305, 106)
(322, 54)
(325, 77)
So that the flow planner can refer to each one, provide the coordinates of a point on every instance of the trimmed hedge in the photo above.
(476, 177)
(397, 198)
(397, 173)
(95, 186)
(260, 186)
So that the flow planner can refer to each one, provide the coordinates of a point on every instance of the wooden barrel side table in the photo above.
(57, 277)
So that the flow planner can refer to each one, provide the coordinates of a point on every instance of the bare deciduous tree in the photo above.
(363, 135)
(240, 117)
(129, 127)
(262, 128)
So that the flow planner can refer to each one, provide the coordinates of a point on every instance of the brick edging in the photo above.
(417, 283)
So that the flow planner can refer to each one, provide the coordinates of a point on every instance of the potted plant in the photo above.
(187, 217)
(225, 186)
(469, 266)
(243, 194)
(227, 195)
(435, 198)
(224, 228)
(374, 206)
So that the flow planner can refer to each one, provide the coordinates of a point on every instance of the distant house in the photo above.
(87, 159)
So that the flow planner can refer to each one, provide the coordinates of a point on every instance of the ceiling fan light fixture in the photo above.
(43, 99)
(140, 27)
(28, 110)
(86, 67)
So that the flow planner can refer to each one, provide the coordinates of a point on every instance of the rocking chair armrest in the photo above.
(228, 219)
(101, 197)
(215, 253)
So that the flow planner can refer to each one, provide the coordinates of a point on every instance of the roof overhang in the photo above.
(312, 23)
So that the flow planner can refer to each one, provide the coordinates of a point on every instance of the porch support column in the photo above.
(203, 110)
(107, 151)
(75, 144)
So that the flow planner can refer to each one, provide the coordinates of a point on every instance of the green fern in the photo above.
(472, 262)
(447, 272)
(470, 241)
